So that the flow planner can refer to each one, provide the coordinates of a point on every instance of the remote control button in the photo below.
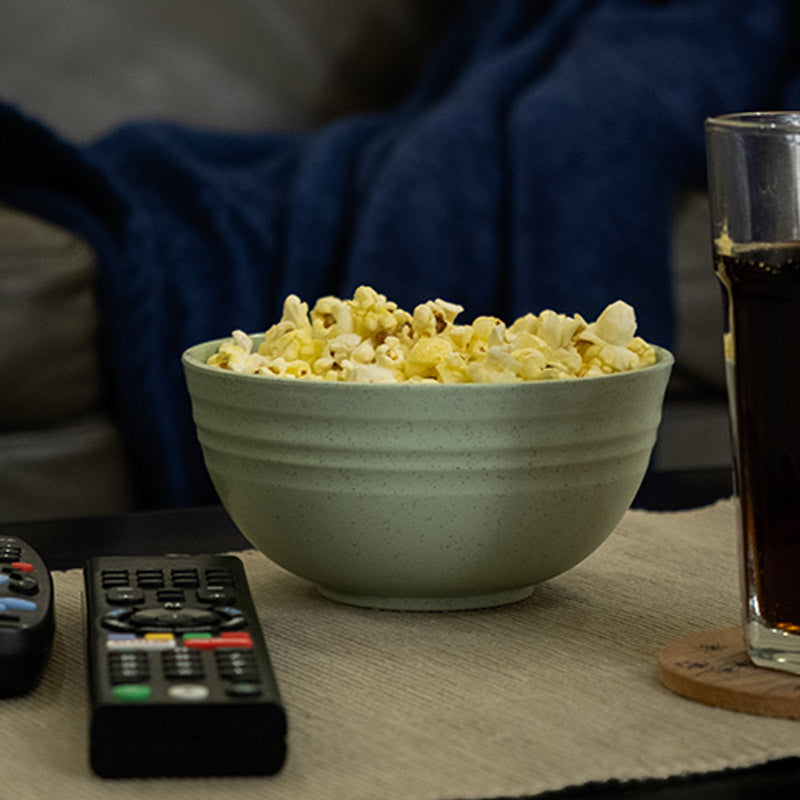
(148, 642)
(114, 577)
(16, 604)
(167, 596)
(23, 584)
(152, 641)
(150, 578)
(112, 624)
(22, 566)
(132, 692)
(117, 620)
(220, 576)
(182, 664)
(237, 665)
(239, 638)
(212, 643)
(8, 619)
(215, 595)
(244, 690)
(242, 641)
(185, 578)
(9, 552)
(124, 595)
(128, 666)
(188, 691)
(174, 618)
(232, 618)
(4, 579)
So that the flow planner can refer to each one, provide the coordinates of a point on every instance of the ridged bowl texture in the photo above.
(425, 496)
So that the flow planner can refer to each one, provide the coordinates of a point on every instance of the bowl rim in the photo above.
(665, 360)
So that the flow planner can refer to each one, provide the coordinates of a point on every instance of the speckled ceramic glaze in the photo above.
(425, 496)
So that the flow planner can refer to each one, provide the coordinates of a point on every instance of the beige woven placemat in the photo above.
(556, 690)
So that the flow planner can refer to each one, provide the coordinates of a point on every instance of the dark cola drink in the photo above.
(762, 299)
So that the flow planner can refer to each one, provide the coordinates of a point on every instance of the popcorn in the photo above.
(368, 339)
(614, 348)
(425, 354)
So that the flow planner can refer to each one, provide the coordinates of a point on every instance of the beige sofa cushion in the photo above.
(75, 469)
(48, 324)
(60, 452)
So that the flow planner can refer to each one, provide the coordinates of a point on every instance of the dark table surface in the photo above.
(67, 543)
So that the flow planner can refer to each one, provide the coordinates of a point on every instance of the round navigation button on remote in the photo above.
(185, 617)
(230, 618)
(117, 620)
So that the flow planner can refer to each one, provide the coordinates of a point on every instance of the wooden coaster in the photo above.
(713, 668)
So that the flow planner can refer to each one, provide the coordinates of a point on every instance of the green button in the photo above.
(196, 635)
(132, 692)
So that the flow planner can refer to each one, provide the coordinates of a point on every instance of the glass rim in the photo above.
(779, 122)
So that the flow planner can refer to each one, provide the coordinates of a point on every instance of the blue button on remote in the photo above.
(16, 604)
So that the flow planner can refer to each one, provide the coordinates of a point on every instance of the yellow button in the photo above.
(162, 637)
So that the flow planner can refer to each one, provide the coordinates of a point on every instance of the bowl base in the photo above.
(401, 603)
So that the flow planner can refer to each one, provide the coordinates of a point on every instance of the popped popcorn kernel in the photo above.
(423, 357)
(369, 339)
(616, 325)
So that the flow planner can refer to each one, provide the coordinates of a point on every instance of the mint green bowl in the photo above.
(425, 496)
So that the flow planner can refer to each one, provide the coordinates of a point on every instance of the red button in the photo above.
(201, 644)
(227, 639)
(22, 566)
(242, 638)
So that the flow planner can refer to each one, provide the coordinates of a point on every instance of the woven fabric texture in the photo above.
(553, 691)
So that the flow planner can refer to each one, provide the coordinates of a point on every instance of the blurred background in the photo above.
(86, 66)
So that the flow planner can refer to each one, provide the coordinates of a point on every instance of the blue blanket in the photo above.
(534, 164)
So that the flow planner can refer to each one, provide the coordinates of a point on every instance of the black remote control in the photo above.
(180, 680)
(27, 622)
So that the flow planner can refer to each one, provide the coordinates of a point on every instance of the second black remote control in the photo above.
(27, 623)
(180, 678)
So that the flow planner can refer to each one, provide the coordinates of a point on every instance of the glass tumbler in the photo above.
(754, 189)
